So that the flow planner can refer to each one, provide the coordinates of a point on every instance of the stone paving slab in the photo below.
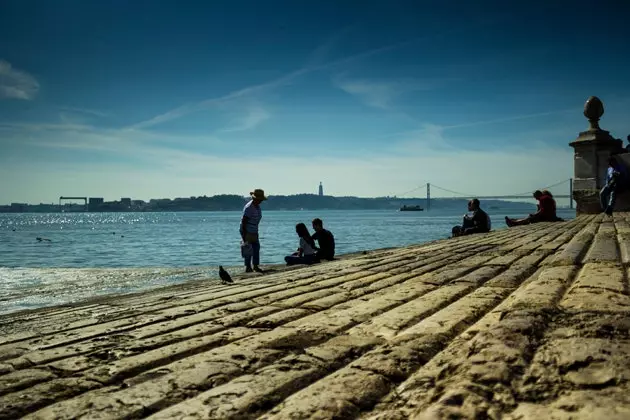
(526, 323)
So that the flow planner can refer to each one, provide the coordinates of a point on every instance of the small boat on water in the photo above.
(411, 208)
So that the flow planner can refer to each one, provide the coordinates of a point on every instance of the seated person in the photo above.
(325, 239)
(546, 211)
(477, 221)
(306, 252)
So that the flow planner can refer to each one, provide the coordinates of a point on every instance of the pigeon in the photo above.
(225, 276)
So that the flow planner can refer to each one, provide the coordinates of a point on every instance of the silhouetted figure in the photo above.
(225, 276)
(616, 182)
(546, 211)
(250, 247)
(306, 252)
(477, 221)
(325, 240)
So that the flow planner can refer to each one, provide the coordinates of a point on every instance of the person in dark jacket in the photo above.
(616, 180)
(325, 240)
(546, 211)
(477, 221)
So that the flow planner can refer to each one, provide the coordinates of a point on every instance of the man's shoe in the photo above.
(258, 269)
(249, 270)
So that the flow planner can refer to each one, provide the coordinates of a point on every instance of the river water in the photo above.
(92, 254)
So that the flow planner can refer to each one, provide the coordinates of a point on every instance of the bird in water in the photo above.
(225, 276)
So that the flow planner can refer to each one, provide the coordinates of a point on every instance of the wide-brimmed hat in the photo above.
(258, 194)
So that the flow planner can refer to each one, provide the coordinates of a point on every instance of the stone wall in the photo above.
(592, 148)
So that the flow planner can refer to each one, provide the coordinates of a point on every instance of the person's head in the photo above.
(258, 196)
(612, 162)
(547, 192)
(473, 204)
(318, 224)
(538, 194)
(302, 230)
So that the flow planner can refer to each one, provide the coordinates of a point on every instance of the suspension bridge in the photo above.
(516, 196)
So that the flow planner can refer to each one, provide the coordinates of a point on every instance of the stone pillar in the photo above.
(592, 149)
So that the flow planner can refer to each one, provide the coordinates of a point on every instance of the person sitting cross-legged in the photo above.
(306, 252)
(477, 221)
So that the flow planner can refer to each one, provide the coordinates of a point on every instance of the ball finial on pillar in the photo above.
(593, 110)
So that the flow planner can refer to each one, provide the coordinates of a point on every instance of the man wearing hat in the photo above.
(249, 229)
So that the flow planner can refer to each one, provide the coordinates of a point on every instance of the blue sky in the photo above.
(162, 99)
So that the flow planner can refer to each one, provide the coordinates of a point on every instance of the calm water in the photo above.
(92, 254)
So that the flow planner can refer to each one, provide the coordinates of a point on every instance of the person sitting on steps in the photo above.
(546, 211)
(477, 221)
(306, 252)
(325, 240)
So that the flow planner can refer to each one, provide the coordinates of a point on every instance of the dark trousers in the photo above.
(296, 259)
(608, 197)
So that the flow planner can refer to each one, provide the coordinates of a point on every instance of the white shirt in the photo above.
(306, 248)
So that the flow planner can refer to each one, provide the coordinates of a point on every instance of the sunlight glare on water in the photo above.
(93, 254)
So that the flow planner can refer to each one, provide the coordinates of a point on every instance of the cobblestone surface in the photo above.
(527, 323)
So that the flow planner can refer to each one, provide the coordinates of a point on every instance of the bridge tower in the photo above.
(428, 196)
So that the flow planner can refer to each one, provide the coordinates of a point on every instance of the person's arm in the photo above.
(243, 228)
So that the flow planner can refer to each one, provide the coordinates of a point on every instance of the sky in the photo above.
(168, 99)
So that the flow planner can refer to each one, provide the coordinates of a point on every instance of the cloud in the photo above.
(92, 112)
(312, 66)
(16, 84)
(140, 164)
(255, 115)
(381, 93)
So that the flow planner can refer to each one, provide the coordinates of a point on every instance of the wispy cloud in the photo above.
(311, 67)
(381, 93)
(145, 165)
(254, 116)
(16, 84)
(92, 112)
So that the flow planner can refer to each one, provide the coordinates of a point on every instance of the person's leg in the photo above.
(604, 196)
(612, 198)
(518, 222)
(291, 259)
(294, 260)
(256, 255)
(310, 259)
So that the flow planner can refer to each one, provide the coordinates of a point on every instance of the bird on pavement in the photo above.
(225, 276)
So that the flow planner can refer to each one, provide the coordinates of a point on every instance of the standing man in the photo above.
(325, 240)
(616, 178)
(249, 229)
